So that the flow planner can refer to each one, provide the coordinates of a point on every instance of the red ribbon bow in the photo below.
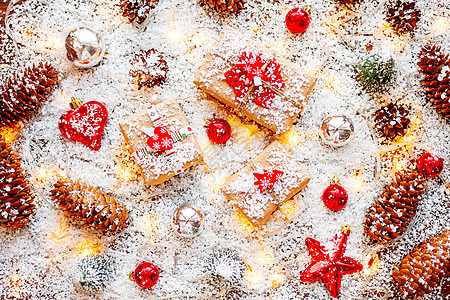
(252, 78)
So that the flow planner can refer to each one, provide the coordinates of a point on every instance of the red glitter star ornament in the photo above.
(267, 179)
(329, 262)
(255, 79)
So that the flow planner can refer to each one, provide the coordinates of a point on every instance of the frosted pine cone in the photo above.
(424, 268)
(394, 209)
(230, 6)
(16, 198)
(25, 92)
(435, 66)
(392, 121)
(137, 11)
(403, 16)
(149, 68)
(90, 205)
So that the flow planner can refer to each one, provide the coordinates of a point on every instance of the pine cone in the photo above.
(149, 68)
(391, 120)
(137, 11)
(424, 268)
(230, 6)
(394, 209)
(435, 66)
(403, 16)
(16, 198)
(25, 92)
(90, 205)
(348, 1)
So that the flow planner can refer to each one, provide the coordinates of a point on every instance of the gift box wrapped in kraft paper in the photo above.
(254, 82)
(269, 180)
(162, 142)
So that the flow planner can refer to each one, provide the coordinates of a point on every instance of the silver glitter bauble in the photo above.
(337, 130)
(84, 47)
(187, 221)
(225, 267)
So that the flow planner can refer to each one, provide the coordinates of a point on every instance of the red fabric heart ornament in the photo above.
(160, 140)
(85, 124)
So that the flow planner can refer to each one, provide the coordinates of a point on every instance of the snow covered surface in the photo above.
(38, 261)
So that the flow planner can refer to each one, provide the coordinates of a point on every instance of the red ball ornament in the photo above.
(84, 123)
(297, 20)
(335, 197)
(146, 275)
(219, 131)
(430, 165)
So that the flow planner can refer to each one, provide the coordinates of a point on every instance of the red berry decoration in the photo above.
(219, 131)
(84, 123)
(430, 165)
(146, 275)
(335, 197)
(329, 262)
(297, 20)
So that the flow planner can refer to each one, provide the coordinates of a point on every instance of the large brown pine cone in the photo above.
(137, 11)
(424, 268)
(90, 205)
(16, 198)
(394, 209)
(230, 6)
(402, 15)
(435, 66)
(25, 92)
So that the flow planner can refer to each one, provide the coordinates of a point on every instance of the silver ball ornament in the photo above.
(337, 130)
(84, 47)
(187, 221)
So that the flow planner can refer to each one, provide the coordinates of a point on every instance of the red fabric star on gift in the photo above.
(248, 75)
(329, 263)
(267, 179)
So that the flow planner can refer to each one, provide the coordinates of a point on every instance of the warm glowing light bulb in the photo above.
(372, 265)
(125, 174)
(288, 209)
(253, 277)
(174, 33)
(440, 24)
(242, 222)
(88, 248)
(277, 278)
(150, 223)
(333, 83)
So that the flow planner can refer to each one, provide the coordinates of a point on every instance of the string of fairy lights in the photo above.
(268, 266)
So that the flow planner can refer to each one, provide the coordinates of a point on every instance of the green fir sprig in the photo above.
(376, 75)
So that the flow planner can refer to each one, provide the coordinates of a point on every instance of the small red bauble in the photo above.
(84, 123)
(430, 165)
(297, 20)
(335, 197)
(219, 131)
(146, 275)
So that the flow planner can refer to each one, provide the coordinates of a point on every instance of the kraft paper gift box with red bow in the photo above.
(257, 84)
(161, 141)
(269, 180)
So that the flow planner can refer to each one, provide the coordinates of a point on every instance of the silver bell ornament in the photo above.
(84, 47)
(337, 130)
(187, 221)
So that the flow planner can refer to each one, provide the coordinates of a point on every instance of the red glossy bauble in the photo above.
(85, 124)
(146, 275)
(430, 165)
(219, 131)
(297, 20)
(335, 197)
